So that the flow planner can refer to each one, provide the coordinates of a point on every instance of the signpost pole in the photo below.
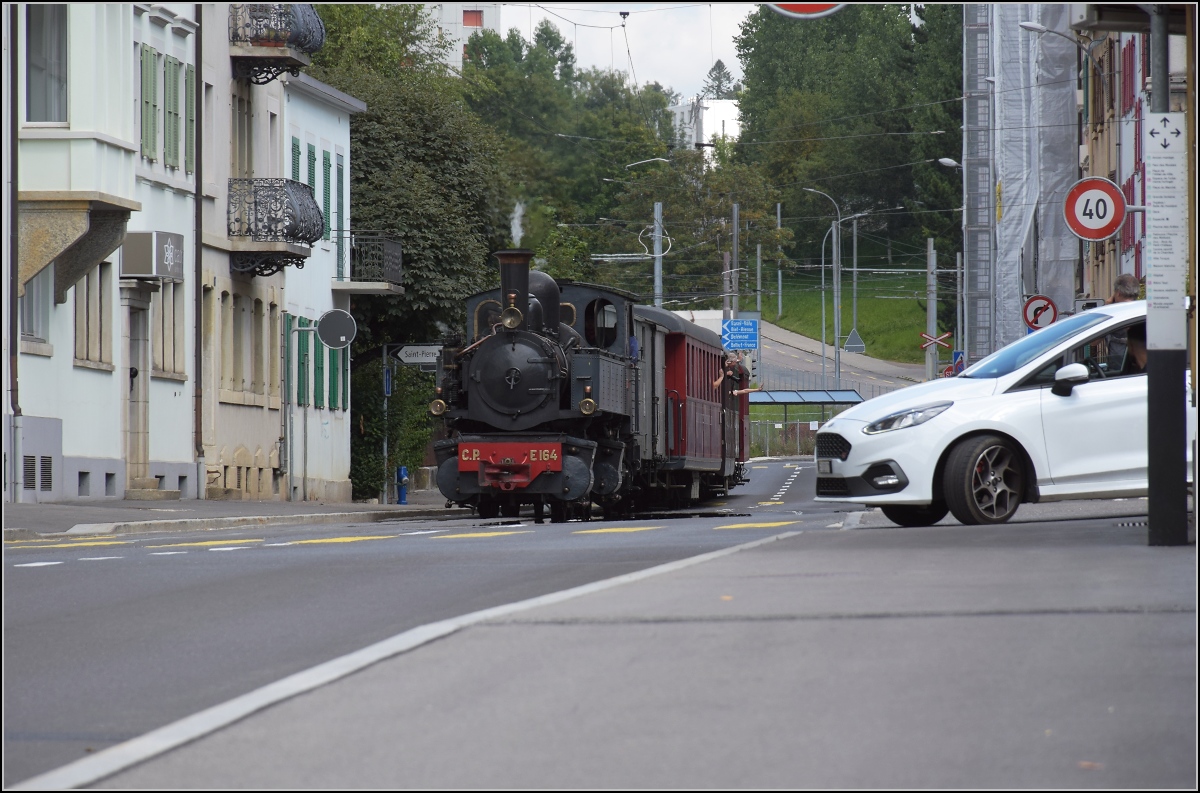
(930, 307)
(1166, 318)
(383, 498)
(658, 279)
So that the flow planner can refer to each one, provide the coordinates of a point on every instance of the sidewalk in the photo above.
(1043, 656)
(117, 515)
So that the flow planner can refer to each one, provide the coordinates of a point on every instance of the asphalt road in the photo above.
(794, 361)
(109, 637)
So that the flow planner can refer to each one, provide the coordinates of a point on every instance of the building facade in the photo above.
(701, 120)
(456, 22)
(159, 221)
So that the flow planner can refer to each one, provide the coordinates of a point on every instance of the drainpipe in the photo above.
(198, 276)
(14, 325)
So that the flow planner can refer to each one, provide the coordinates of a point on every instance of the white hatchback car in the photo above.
(1059, 414)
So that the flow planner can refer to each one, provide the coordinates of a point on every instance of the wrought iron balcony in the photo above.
(366, 258)
(272, 38)
(272, 211)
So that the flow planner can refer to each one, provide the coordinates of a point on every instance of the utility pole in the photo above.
(725, 294)
(837, 305)
(658, 284)
(930, 308)
(854, 291)
(958, 299)
(736, 224)
(778, 262)
(758, 289)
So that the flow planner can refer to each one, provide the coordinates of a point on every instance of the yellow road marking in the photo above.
(759, 525)
(342, 539)
(617, 530)
(481, 534)
(769, 503)
(203, 544)
(71, 544)
(760, 466)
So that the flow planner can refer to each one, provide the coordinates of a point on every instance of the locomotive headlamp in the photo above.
(511, 317)
(587, 406)
(437, 407)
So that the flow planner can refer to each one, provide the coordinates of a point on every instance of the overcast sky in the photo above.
(672, 43)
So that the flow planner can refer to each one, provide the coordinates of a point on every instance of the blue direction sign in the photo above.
(960, 360)
(739, 334)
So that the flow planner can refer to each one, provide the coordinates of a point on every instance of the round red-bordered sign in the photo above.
(1039, 312)
(806, 10)
(1094, 208)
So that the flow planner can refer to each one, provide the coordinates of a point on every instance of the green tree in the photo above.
(719, 83)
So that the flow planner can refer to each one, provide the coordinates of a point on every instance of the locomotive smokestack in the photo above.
(514, 279)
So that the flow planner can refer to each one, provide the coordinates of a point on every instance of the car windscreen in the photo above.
(1008, 359)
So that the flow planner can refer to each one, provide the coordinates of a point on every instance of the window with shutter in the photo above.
(346, 380)
(189, 129)
(318, 373)
(325, 165)
(335, 364)
(149, 103)
(296, 159)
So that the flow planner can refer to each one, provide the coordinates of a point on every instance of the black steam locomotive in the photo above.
(567, 395)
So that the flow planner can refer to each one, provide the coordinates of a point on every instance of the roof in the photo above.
(321, 91)
(839, 397)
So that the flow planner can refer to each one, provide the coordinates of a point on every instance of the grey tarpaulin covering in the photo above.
(1036, 161)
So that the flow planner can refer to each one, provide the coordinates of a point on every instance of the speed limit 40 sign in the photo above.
(1094, 209)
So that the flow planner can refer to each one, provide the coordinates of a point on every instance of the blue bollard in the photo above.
(402, 484)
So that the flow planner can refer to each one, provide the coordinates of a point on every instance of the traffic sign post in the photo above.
(739, 334)
(1094, 209)
(1039, 312)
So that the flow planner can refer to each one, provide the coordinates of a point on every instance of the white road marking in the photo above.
(165, 553)
(230, 548)
(98, 558)
(36, 564)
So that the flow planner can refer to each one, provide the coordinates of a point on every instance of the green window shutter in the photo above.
(325, 172)
(340, 208)
(346, 380)
(149, 104)
(319, 373)
(335, 363)
(312, 168)
(296, 159)
(302, 379)
(171, 112)
(189, 129)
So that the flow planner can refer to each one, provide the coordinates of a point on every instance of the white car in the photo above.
(1059, 414)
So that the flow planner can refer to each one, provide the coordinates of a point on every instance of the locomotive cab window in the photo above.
(600, 323)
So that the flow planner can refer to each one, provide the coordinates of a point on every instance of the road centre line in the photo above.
(202, 544)
(758, 525)
(617, 530)
(480, 534)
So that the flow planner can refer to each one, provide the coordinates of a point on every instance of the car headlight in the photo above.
(905, 418)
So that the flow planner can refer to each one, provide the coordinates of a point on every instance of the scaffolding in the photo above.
(978, 200)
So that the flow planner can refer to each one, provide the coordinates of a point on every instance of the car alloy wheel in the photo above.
(984, 480)
(909, 515)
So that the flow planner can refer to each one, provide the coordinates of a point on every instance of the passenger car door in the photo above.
(1096, 434)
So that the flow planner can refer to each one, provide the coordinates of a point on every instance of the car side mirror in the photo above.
(1068, 377)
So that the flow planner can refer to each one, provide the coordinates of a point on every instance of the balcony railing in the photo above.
(368, 256)
(273, 210)
(292, 28)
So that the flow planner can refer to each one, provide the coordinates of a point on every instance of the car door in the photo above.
(1096, 435)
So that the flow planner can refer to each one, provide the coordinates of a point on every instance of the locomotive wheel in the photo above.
(510, 509)
(488, 507)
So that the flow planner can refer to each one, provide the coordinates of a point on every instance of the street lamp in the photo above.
(837, 293)
(1034, 27)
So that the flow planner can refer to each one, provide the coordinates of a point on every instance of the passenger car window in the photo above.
(1106, 355)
